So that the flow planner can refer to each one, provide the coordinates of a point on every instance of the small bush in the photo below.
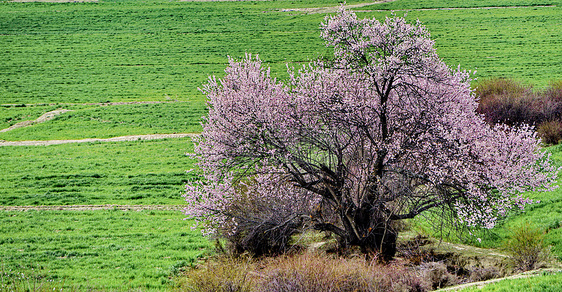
(550, 132)
(526, 247)
(437, 274)
(554, 91)
(499, 86)
(323, 273)
(478, 274)
(226, 274)
(508, 102)
(263, 225)
(512, 103)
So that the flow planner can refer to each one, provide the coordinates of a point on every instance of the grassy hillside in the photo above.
(98, 52)
(546, 215)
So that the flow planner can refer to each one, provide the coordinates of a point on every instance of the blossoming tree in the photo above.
(382, 132)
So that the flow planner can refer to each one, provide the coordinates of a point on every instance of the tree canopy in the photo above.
(383, 131)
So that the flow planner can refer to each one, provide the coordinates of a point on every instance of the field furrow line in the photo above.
(92, 140)
(94, 207)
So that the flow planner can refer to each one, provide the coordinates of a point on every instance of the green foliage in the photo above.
(526, 247)
(113, 250)
(138, 172)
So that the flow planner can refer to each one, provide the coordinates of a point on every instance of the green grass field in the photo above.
(134, 173)
(113, 249)
(72, 55)
(106, 121)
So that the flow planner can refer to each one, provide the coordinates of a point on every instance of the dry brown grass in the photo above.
(309, 272)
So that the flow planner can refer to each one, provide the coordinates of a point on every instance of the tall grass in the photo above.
(302, 272)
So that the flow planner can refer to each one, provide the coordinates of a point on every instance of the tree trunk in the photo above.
(372, 233)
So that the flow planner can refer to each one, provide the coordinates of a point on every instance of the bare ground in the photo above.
(93, 207)
(90, 140)
(55, 1)
(45, 117)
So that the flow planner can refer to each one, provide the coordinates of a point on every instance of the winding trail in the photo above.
(45, 117)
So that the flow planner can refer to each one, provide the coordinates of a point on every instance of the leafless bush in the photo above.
(437, 274)
(323, 273)
(513, 103)
(264, 226)
(226, 274)
(508, 102)
(478, 274)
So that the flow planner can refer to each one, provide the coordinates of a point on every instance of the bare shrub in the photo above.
(478, 274)
(499, 86)
(526, 247)
(263, 226)
(437, 275)
(225, 274)
(513, 103)
(554, 91)
(322, 273)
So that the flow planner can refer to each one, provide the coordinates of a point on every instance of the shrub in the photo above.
(436, 273)
(499, 86)
(550, 132)
(302, 272)
(526, 247)
(554, 91)
(508, 102)
(478, 274)
(262, 226)
(512, 103)
(224, 274)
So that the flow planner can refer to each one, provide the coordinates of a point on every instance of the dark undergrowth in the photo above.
(514, 103)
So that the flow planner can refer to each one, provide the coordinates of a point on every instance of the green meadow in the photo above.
(96, 58)
(112, 249)
(125, 173)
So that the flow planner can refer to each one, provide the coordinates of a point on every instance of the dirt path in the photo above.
(55, 1)
(45, 117)
(336, 8)
(479, 285)
(93, 208)
(333, 9)
(90, 140)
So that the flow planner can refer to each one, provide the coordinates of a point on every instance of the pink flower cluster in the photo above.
(385, 126)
